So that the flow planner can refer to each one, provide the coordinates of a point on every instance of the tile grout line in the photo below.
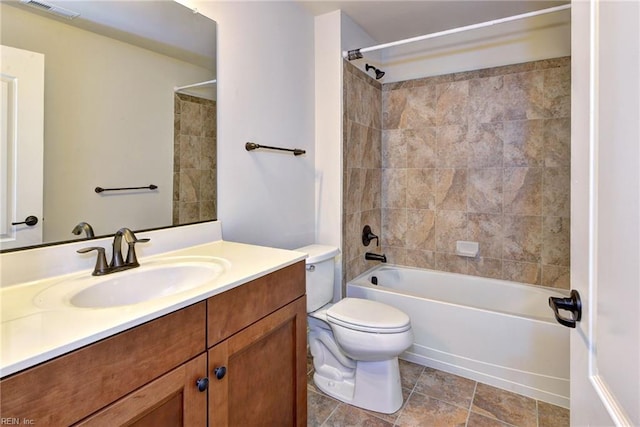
(404, 404)
(324, 423)
(395, 422)
(411, 391)
(473, 395)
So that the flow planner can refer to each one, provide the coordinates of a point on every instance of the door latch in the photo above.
(572, 304)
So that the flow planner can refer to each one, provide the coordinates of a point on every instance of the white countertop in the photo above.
(31, 335)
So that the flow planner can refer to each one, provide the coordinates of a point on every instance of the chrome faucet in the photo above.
(84, 227)
(117, 262)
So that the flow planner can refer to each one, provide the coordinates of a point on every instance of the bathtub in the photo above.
(493, 331)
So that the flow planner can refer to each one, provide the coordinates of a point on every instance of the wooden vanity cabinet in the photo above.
(67, 389)
(172, 400)
(257, 352)
(256, 375)
(150, 375)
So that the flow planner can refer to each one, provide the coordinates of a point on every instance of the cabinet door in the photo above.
(172, 400)
(264, 378)
(68, 389)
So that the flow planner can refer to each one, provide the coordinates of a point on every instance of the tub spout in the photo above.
(375, 257)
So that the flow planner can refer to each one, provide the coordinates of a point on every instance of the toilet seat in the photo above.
(354, 343)
(368, 316)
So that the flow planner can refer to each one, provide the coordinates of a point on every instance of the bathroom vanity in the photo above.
(229, 353)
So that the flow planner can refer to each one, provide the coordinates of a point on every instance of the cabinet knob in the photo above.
(220, 372)
(202, 383)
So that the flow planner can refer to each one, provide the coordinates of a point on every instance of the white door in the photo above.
(21, 147)
(605, 212)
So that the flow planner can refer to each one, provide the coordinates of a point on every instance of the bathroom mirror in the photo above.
(129, 103)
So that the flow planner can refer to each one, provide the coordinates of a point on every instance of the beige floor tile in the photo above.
(447, 387)
(438, 399)
(505, 406)
(477, 420)
(393, 417)
(319, 407)
(350, 416)
(309, 363)
(409, 373)
(552, 416)
(425, 411)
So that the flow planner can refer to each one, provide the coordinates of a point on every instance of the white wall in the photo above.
(96, 135)
(328, 116)
(354, 37)
(541, 37)
(532, 39)
(265, 95)
(335, 32)
(266, 64)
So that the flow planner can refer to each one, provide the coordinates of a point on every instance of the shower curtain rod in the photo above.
(357, 53)
(175, 89)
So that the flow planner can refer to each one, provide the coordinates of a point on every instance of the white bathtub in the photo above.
(493, 331)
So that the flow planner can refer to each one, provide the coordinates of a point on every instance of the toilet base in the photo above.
(376, 386)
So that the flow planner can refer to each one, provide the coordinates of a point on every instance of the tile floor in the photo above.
(436, 398)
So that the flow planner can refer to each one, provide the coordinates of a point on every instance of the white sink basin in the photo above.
(152, 280)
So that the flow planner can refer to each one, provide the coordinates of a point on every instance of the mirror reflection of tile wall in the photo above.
(481, 155)
(194, 160)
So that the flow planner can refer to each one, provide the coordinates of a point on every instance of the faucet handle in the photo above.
(132, 259)
(368, 236)
(101, 261)
(130, 236)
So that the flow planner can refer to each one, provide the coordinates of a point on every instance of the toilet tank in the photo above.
(320, 274)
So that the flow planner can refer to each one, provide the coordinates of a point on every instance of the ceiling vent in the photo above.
(49, 8)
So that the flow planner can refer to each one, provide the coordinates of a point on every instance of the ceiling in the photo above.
(166, 27)
(391, 20)
(384, 21)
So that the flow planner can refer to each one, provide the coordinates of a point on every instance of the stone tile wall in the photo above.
(481, 156)
(362, 148)
(194, 160)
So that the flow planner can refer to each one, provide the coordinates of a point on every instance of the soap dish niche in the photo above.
(467, 249)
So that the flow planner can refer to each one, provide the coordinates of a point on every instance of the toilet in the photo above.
(355, 342)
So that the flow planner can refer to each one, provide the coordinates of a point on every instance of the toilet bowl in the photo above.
(355, 342)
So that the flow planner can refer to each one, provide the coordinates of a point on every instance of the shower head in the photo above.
(379, 73)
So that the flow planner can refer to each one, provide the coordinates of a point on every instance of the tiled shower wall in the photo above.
(481, 156)
(362, 167)
(194, 160)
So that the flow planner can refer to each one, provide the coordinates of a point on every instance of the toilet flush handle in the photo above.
(311, 267)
